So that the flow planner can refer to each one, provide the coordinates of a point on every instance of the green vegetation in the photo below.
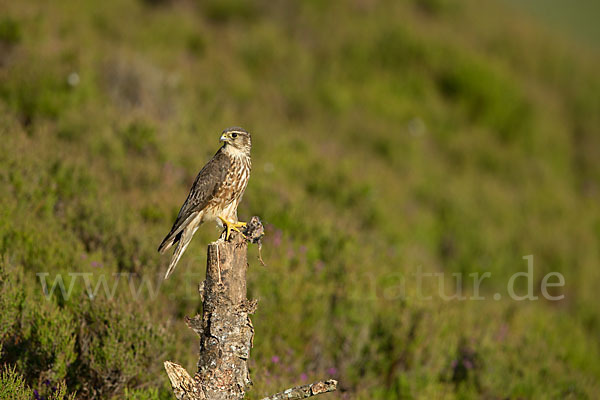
(389, 138)
(577, 18)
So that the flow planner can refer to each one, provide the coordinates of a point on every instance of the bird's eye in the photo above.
(234, 135)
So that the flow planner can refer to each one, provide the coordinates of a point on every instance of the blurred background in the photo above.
(389, 137)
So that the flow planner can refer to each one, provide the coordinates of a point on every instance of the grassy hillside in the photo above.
(390, 139)
(575, 18)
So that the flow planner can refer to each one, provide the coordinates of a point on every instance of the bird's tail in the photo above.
(184, 240)
(177, 231)
(167, 243)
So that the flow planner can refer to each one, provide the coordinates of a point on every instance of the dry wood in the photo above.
(302, 392)
(225, 330)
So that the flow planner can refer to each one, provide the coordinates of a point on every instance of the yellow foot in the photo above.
(232, 226)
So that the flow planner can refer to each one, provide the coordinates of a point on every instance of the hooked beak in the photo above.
(223, 138)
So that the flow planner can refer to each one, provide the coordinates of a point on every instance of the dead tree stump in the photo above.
(225, 330)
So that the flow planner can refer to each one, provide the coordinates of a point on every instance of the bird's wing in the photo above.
(205, 186)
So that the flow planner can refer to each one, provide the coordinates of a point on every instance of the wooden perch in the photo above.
(225, 330)
(302, 392)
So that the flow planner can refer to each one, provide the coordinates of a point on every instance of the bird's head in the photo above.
(237, 138)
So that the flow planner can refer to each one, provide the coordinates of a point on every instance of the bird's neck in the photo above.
(234, 151)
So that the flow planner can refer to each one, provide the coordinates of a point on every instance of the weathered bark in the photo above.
(302, 392)
(184, 386)
(226, 336)
(225, 329)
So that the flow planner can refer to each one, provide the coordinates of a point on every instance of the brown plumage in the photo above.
(215, 194)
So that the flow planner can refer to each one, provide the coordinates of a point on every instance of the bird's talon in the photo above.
(232, 226)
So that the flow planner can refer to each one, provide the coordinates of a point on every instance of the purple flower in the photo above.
(303, 377)
(36, 395)
(96, 264)
(277, 237)
(275, 359)
(332, 371)
(502, 333)
(467, 363)
(319, 265)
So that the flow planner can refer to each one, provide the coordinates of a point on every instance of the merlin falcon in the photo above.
(215, 194)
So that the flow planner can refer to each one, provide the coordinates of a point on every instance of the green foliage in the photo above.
(435, 7)
(230, 10)
(10, 31)
(12, 385)
(196, 44)
(60, 393)
(139, 138)
(487, 98)
(141, 394)
(36, 94)
(94, 345)
(112, 346)
(11, 301)
(386, 136)
(52, 341)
